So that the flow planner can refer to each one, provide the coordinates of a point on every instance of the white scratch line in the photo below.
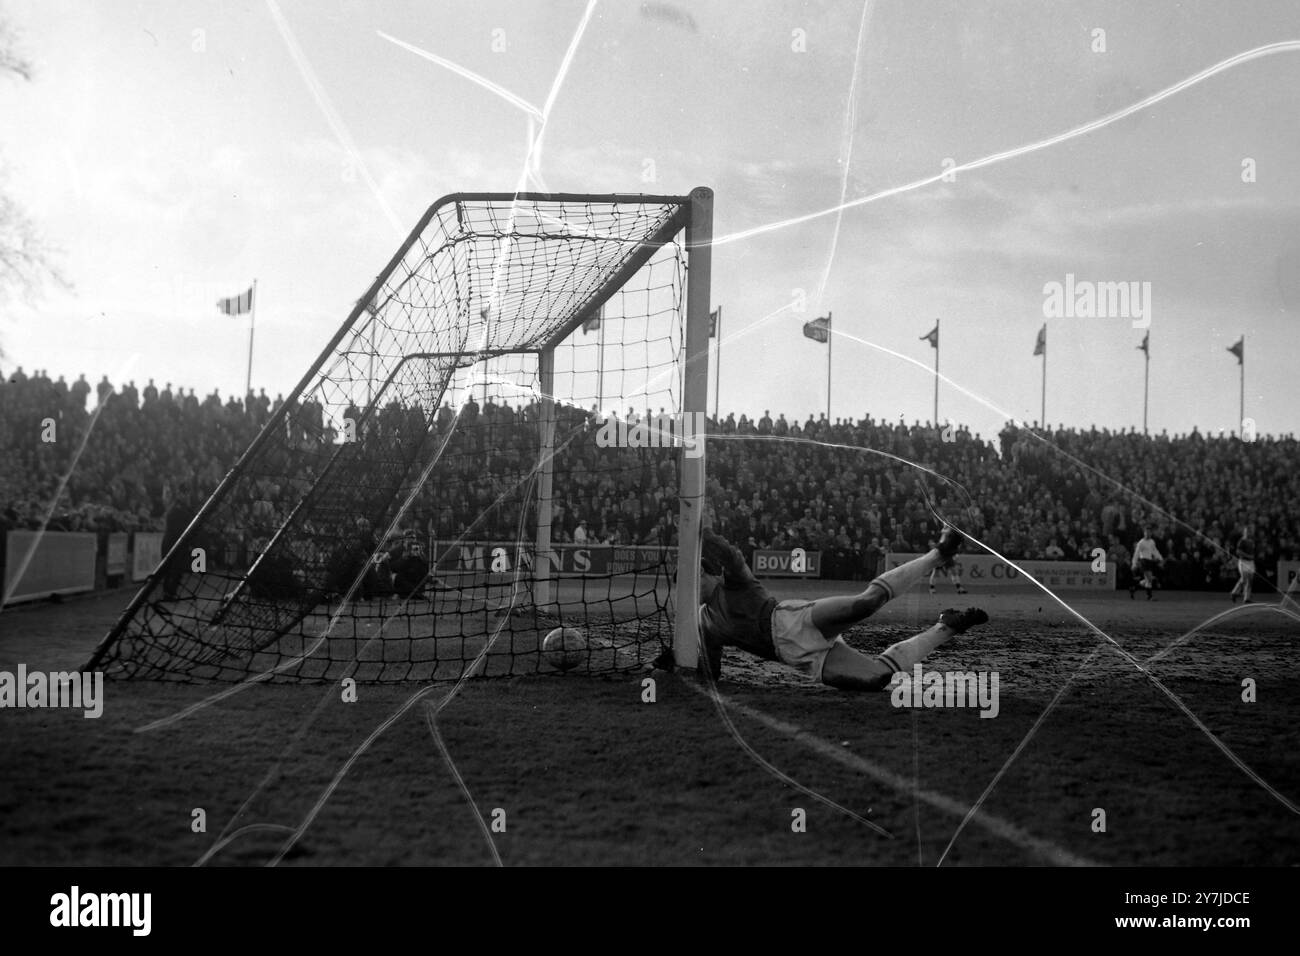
(1282, 46)
(26, 560)
(332, 118)
(483, 81)
(998, 827)
(846, 139)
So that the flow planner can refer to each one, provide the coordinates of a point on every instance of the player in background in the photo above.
(737, 611)
(951, 571)
(180, 512)
(1146, 559)
(1245, 567)
(408, 567)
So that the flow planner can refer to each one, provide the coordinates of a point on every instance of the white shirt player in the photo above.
(1146, 550)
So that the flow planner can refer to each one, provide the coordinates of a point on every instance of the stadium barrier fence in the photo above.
(77, 562)
(985, 570)
(40, 565)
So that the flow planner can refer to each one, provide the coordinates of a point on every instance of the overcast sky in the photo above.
(174, 151)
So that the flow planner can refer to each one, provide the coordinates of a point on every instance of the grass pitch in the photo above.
(581, 770)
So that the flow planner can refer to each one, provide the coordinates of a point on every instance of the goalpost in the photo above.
(440, 488)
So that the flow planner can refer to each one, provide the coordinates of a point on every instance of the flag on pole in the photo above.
(1040, 347)
(713, 322)
(932, 337)
(819, 329)
(237, 305)
(593, 323)
(1239, 349)
(1146, 343)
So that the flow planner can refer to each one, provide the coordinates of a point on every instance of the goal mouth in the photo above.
(456, 407)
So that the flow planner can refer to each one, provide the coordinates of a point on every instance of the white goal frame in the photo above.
(695, 218)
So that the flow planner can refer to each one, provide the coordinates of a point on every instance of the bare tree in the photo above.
(11, 60)
(26, 261)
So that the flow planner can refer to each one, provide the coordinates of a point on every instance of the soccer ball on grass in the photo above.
(564, 648)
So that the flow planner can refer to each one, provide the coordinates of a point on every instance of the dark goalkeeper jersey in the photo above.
(737, 615)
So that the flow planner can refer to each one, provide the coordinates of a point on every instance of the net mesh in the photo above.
(385, 524)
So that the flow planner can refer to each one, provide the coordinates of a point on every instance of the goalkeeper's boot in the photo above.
(950, 543)
(961, 621)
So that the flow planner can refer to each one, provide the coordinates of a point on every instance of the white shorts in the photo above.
(1245, 568)
(797, 640)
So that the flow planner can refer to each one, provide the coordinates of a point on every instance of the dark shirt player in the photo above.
(738, 611)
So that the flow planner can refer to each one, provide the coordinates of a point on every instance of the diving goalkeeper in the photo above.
(737, 611)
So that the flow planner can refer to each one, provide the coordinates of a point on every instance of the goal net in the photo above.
(505, 436)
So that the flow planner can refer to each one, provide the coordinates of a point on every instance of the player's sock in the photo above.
(897, 580)
(905, 655)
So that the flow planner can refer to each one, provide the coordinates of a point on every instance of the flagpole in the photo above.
(1241, 395)
(937, 340)
(830, 340)
(1146, 382)
(717, 361)
(1043, 407)
(252, 321)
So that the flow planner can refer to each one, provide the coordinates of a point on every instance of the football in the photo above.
(564, 648)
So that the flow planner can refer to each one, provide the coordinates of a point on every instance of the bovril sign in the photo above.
(795, 563)
(983, 570)
(1288, 576)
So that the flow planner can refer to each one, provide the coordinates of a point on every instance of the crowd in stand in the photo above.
(1053, 495)
(76, 456)
(75, 462)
